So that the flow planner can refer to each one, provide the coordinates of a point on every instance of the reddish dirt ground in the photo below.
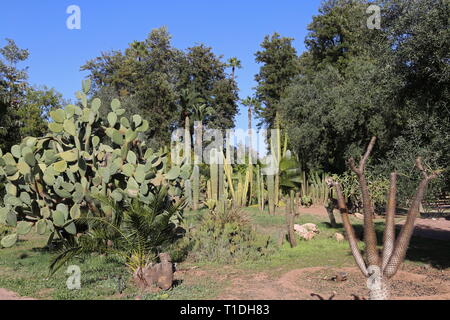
(409, 284)
(432, 228)
(9, 295)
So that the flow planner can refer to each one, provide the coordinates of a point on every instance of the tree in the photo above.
(33, 114)
(234, 63)
(379, 269)
(279, 67)
(355, 83)
(23, 108)
(13, 84)
(204, 73)
(150, 76)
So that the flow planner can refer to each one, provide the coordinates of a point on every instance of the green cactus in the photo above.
(52, 181)
(214, 175)
(195, 187)
(271, 193)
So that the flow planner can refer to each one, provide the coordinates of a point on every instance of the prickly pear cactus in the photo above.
(52, 181)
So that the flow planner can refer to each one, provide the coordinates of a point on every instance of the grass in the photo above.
(24, 268)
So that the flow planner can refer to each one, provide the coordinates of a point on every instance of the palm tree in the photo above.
(250, 102)
(234, 63)
(138, 231)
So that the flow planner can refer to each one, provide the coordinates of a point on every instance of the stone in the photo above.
(339, 237)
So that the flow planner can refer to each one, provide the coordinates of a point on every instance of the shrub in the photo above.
(227, 237)
(378, 188)
(137, 231)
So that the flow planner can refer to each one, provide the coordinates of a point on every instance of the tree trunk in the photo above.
(380, 292)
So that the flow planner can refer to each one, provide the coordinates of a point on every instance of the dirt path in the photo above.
(9, 295)
(412, 283)
(438, 229)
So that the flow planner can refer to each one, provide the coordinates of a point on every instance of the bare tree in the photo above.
(379, 269)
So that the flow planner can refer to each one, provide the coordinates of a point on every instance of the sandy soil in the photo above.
(432, 228)
(298, 284)
(9, 295)
(410, 283)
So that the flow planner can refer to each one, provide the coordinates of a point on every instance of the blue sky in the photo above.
(231, 28)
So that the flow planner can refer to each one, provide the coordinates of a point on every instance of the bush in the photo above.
(378, 187)
(227, 237)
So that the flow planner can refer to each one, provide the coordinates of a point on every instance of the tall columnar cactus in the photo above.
(195, 187)
(188, 192)
(214, 175)
(290, 217)
(259, 189)
(53, 180)
(379, 269)
(271, 193)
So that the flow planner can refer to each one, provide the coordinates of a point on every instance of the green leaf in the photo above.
(69, 127)
(30, 159)
(60, 166)
(115, 104)
(55, 127)
(41, 227)
(137, 119)
(11, 218)
(131, 157)
(75, 212)
(58, 115)
(174, 173)
(58, 218)
(69, 156)
(86, 85)
(71, 228)
(16, 152)
(11, 189)
(112, 119)
(96, 104)
(24, 227)
(9, 241)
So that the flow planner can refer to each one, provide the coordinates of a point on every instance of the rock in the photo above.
(359, 216)
(311, 227)
(309, 235)
(339, 237)
(306, 231)
(164, 272)
(300, 229)
(160, 274)
(340, 276)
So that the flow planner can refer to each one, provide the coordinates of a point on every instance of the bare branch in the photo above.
(402, 242)
(370, 237)
(389, 231)
(362, 162)
(349, 228)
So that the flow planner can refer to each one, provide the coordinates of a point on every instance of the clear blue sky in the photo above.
(231, 28)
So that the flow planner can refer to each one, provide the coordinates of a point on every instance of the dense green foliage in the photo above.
(53, 180)
(151, 77)
(227, 236)
(356, 83)
(23, 108)
(279, 66)
(138, 231)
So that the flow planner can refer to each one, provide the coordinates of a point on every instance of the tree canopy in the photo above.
(150, 77)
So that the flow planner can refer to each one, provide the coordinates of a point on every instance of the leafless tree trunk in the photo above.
(378, 269)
